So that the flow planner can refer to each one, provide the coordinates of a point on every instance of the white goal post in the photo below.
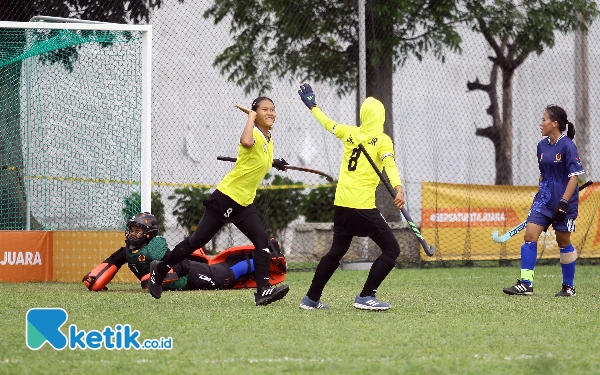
(143, 108)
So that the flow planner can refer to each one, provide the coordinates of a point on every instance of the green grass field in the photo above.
(443, 321)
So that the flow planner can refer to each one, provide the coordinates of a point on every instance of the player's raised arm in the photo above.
(307, 95)
(309, 99)
(247, 140)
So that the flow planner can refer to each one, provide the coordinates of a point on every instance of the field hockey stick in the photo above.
(314, 171)
(429, 250)
(513, 232)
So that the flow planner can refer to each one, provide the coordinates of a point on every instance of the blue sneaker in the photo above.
(370, 303)
(309, 304)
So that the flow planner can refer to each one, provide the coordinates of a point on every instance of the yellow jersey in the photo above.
(357, 179)
(250, 168)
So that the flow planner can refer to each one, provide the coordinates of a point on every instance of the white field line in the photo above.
(283, 359)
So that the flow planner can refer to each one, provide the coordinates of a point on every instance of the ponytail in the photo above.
(556, 113)
(570, 130)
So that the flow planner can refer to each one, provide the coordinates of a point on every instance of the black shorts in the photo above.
(226, 209)
(358, 222)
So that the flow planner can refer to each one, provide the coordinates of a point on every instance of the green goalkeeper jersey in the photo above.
(358, 180)
(139, 260)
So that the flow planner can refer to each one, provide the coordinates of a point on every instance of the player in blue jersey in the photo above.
(556, 202)
(355, 213)
(231, 202)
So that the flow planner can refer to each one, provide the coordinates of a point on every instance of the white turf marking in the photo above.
(527, 356)
(318, 360)
(10, 361)
(294, 359)
(240, 360)
(485, 357)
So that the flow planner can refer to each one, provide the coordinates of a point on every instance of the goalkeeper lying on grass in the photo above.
(232, 268)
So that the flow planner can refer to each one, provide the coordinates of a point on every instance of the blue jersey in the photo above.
(558, 162)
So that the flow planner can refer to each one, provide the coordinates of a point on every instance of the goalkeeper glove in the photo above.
(280, 164)
(561, 210)
(307, 95)
(101, 275)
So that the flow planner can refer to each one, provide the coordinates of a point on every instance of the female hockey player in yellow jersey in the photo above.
(231, 202)
(355, 213)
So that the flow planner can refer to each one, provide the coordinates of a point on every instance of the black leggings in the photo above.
(251, 226)
(379, 270)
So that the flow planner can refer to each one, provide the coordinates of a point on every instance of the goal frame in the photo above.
(146, 89)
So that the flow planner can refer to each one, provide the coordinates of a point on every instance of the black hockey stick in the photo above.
(314, 171)
(429, 250)
(513, 232)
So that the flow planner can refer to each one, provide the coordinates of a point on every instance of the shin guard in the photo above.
(568, 257)
(528, 260)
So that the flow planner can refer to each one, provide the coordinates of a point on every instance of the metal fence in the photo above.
(439, 103)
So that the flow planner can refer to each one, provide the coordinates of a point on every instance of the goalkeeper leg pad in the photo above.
(214, 276)
(172, 276)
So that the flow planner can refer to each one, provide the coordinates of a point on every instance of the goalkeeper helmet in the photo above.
(149, 226)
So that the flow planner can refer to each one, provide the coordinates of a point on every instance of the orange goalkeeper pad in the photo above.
(277, 268)
(102, 274)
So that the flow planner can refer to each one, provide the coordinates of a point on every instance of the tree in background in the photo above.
(515, 31)
(317, 205)
(318, 41)
(115, 11)
(12, 187)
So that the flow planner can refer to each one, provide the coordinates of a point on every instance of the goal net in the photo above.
(74, 125)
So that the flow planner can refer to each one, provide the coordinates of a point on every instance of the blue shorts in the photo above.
(567, 225)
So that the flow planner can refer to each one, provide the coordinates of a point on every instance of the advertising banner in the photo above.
(77, 252)
(25, 256)
(459, 220)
